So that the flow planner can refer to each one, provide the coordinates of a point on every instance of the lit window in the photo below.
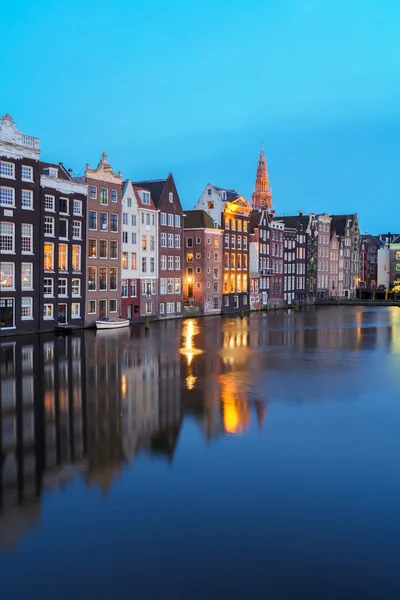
(49, 257)
(75, 310)
(63, 257)
(48, 311)
(27, 276)
(7, 280)
(76, 258)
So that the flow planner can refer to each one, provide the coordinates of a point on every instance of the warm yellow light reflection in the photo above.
(190, 381)
(190, 329)
(123, 387)
(235, 407)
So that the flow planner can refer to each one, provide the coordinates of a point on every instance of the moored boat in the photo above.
(108, 323)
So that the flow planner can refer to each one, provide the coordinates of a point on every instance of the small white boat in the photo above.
(108, 323)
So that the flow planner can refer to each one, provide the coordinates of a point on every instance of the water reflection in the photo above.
(85, 405)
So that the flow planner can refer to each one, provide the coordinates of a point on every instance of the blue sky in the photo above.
(191, 87)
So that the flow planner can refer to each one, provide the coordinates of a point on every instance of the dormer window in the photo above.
(146, 198)
(224, 195)
(51, 172)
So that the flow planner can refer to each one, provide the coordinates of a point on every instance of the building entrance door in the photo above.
(103, 308)
(62, 314)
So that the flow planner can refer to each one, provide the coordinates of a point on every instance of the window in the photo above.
(189, 242)
(49, 226)
(63, 229)
(124, 237)
(7, 278)
(171, 197)
(125, 260)
(92, 307)
(113, 305)
(26, 199)
(64, 206)
(170, 220)
(146, 197)
(170, 307)
(163, 218)
(163, 262)
(93, 192)
(144, 264)
(189, 257)
(113, 249)
(124, 218)
(144, 242)
(147, 219)
(76, 258)
(114, 222)
(170, 240)
(103, 196)
(124, 288)
(177, 263)
(92, 271)
(171, 284)
(152, 265)
(133, 289)
(103, 278)
(48, 257)
(26, 276)
(227, 240)
(7, 319)
(7, 237)
(210, 203)
(245, 227)
(77, 230)
(178, 307)
(92, 248)
(7, 169)
(76, 287)
(177, 221)
(177, 285)
(163, 240)
(75, 310)
(177, 240)
(162, 308)
(7, 196)
(152, 243)
(114, 197)
(48, 311)
(163, 286)
(113, 279)
(92, 219)
(133, 220)
(49, 202)
(63, 257)
(103, 249)
(198, 255)
(103, 221)
(26, 238)
(133, 261)
(62, 287)
(26, 308)
(170, 263)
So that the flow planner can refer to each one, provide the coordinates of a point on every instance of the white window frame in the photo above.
(77, 228)
(64, 285)
(12, 274)
(30, 286)
(75, 314)
(49, 203)
(28, 206)
(95, 307)
(30, 236)
(28, 300)
(49, 317)
(49, 294)
(116, 305)
(7, 204)
(78, 287)
(77, 204)
(7, 166)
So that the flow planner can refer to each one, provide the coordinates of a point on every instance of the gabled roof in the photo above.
(230, 194)
(154, 186)
(293, 222)
(62, 172)
(198, 219)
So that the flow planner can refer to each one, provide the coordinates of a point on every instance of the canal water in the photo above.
(205, 458)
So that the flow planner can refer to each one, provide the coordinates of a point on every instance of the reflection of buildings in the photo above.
(41, 428)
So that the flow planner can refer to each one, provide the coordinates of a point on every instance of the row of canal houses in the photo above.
(75, 249)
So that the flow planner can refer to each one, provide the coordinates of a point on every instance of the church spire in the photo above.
(262, 195)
